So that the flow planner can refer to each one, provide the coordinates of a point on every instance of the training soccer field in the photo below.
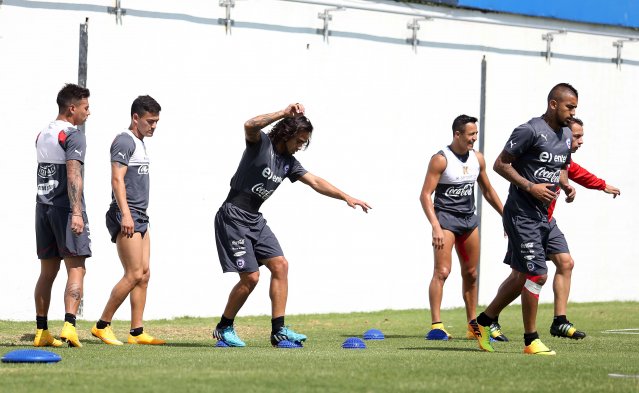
(404, 362)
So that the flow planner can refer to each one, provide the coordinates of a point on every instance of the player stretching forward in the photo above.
(534, 161)
(558, 250)
(452, 174)
(62, 227)
(244, 241)
(128, 223)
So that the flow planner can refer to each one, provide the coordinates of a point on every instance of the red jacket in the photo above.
(582, 177)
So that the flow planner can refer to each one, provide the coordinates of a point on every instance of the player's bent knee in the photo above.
(533, 284)
(250, 279)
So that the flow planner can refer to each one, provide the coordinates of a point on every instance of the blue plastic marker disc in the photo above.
(31, 356)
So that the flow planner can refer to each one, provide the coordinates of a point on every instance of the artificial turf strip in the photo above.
(403, 362)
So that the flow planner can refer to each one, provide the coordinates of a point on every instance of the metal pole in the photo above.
(82, 59)
(482, 142)
(82, 81)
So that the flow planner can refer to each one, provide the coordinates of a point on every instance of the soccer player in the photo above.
(62, 227)
(452, 174)
(534, 161)
(558, 251)
(128, 223)
(244, 241)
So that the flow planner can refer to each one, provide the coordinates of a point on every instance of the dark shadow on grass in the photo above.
(189, 345)
(447, 349)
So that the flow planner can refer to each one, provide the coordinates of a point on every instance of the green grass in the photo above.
(403, 362)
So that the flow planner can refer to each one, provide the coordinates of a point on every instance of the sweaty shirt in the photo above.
(262, 170)
(129, 150)
(455, 192)
(540, 153)
(60, 142)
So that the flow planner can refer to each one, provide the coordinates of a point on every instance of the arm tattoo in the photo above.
(261, 121)
(74, 182)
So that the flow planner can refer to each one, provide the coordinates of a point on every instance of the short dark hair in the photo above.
(285, 129)
(561, 88)
(460, 122)
(145, 104)
(70, 94)
(577, 120)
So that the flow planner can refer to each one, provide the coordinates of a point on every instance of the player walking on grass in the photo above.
(244, 241)
(558, 250)
(62, 227)
(128, 223)
(452, 174)
(534, 161)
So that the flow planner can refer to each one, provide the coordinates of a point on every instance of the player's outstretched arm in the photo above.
(487, 189)
(75, 183)
(612, 190)
(436, 167)
(503, 166)
(325, 188)
(253, 126)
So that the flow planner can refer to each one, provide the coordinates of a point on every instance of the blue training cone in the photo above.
(373, 334)
(437, 334)
(354, 343)
(289, 344)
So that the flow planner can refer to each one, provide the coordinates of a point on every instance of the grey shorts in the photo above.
(557, 243)
(114, 222)
(54, 238)
(527, 243)
(457, 223)
(243, 239)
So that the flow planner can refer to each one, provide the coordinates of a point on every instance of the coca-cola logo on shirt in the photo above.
(546, 175)
(459, 191)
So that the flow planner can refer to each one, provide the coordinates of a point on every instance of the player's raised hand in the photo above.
(293, 110)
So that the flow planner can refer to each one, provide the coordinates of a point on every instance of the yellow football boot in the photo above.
(70, 336)
(145, 339)
(44, 339)
(106, 335)
(538, 348)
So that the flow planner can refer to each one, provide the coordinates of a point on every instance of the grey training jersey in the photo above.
(129, 150)
(455, 192)
(262, 170)
(540, 153)
(60, 142)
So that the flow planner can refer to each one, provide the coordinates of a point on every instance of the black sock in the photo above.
(102, 324)
(484, 319)
(41, 322)
(496, 320)
(68, 317)
(559, 320)
(530, 337)
(277, 324)
(136, 332)
(434, 323)
(224, 323)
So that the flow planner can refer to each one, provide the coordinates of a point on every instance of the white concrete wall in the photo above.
(379, 109)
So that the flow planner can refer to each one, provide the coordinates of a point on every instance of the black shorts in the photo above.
(459, 224)
(114, 222)
(54, 238)
(243, 239)
(527, 243)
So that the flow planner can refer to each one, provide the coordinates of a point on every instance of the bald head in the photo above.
(560, 91)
